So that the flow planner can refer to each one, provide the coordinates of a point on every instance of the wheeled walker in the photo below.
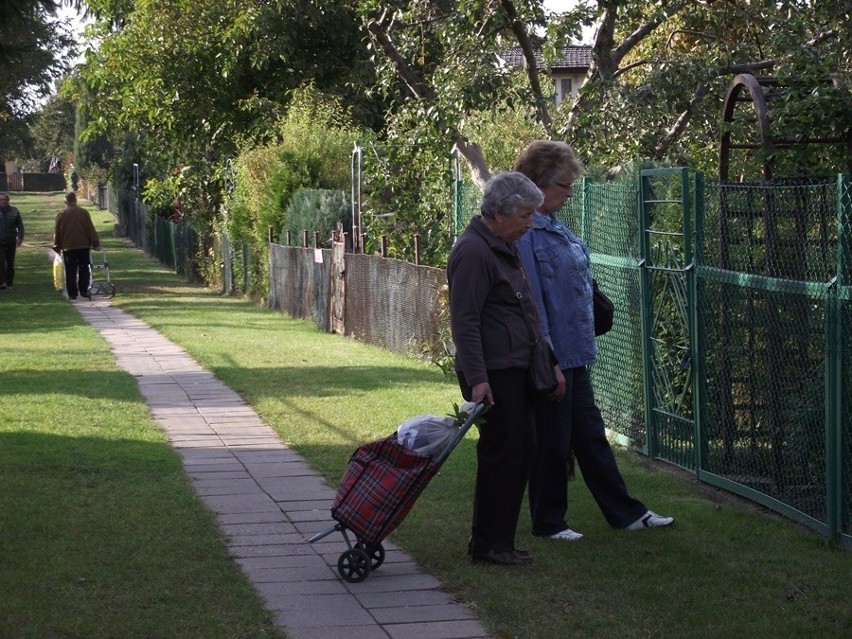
(103, 287)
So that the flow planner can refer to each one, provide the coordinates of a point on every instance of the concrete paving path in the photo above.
(269, 502)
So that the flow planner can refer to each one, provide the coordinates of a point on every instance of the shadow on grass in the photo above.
(279, 382)
(105, 538)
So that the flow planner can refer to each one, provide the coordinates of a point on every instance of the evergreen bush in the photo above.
(317, 211)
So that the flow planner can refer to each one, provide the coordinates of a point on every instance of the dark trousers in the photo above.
(7, 263)
(77, 272)
(503, 455)
(575, 422)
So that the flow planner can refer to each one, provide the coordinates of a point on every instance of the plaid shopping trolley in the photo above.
(381, 483)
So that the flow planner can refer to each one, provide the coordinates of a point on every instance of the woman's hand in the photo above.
(558, 392)
(482, 393)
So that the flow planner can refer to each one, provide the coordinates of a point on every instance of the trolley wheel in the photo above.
(108, 289)
(376, 553)
(354, 565)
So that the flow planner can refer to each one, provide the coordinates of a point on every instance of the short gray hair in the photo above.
(507, 192)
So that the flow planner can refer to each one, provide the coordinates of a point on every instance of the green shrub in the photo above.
(317, 211)
(312, 150)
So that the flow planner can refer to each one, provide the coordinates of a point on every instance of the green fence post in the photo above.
(646, 315)
(697, 353)
(836, 296)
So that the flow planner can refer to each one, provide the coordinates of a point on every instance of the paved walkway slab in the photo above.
(269, 502)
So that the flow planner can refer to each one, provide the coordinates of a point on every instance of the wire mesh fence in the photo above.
(386, 302)
(774, 284)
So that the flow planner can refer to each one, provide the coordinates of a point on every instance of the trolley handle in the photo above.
(105, 264)
(475, 412)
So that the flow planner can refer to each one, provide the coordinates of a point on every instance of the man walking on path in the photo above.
(11, 237)
(74, 236)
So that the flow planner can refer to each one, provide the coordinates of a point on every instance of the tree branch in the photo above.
(471, 152)
(541, 104)
(683, 119)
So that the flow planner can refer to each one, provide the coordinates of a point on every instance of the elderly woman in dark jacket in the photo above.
(488, 299)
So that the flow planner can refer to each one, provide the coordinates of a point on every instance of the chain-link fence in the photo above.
(300, 283)
(386, 302)
(774, 293)
(178, 245)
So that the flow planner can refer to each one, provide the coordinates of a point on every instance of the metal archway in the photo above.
(759, 91)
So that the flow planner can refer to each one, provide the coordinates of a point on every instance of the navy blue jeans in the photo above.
(575, 422)
(77, 272)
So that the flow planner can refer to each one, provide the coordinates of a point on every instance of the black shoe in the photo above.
(523, 555)
(505, 558)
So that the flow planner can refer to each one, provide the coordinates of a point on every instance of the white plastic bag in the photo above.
(427, 434)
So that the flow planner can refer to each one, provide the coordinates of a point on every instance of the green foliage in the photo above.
(313, 147)
(161, 195)
(502, 133)
(440, 350)
(660, 97)
(52, 130)
(311, 150)
(92, 153)
(317, 211)
(33, 49)
(406, 191)
(408, 184)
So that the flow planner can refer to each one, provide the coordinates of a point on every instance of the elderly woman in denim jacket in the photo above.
(558, 269)
(487, 291)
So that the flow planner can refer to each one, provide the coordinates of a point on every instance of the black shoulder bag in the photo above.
(541, 378)
(604, 310)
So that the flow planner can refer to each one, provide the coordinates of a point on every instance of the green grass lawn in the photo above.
(100, 535)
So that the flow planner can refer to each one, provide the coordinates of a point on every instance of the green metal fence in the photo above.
(731, 354)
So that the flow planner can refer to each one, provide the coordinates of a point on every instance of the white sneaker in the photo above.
(650, 520)
(567, 535)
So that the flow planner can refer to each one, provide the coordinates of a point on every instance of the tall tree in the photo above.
(197, 76)
(196, 80)
(52, 129)
(33, 49)
(654, 88)
(661, 70)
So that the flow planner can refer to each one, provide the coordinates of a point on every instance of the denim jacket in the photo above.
(558, 269)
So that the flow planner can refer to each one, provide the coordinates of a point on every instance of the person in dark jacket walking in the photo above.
(11, 237)
(74, 236)
(488, 299)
